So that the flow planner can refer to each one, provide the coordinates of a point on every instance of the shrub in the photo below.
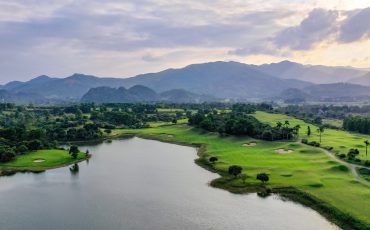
(262, 177)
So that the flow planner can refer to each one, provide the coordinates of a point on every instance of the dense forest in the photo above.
(357, 124)
(27, 128)
(240, 122)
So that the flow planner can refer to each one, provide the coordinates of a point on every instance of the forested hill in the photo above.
(139, 93)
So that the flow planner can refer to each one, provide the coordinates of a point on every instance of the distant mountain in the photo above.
(225, 80)
(294, 96)
(183, 96)
(363, 80)
(140, 93)
(73, 87)
(312, 73)
(221, 79)
(20, 98)
(337, 90)
(327, 92)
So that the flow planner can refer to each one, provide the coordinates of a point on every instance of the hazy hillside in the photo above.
(363, 80)
(73, 87)
(225, 80)
(21, 98)
(140, 93)
(312, 73)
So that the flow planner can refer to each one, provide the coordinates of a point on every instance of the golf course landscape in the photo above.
(306, 170)
(41, 160)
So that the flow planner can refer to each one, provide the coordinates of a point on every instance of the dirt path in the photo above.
(353, 167)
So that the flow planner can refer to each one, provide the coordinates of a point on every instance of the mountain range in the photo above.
(223, 80)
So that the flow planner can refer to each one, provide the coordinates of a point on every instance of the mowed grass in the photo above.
(307, 168)
(341, 141)
(163, 123)
(52, 159)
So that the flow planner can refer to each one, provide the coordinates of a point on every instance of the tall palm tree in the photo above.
(320, 130)
(286, 123)
(296, 130)
(279, 124)
(367, 143)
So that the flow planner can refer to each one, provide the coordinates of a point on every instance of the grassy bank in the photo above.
(307, 169)
(41, 160)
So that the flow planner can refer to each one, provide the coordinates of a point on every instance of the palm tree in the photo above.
(320, 130)
(367, 143)
(296, 130)
(286, 123)
(279, 124)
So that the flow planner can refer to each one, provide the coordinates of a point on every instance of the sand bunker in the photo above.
(249, 144)
(39, 160)
(169, 135)
(283, 151)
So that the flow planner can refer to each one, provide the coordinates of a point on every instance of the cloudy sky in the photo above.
(124, 38)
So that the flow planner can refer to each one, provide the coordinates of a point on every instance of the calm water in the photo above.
(140, 184)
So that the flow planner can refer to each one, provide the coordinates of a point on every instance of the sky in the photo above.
(114, 38)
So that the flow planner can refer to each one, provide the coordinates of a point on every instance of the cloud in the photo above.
(319, 25)
(121, 38)
(356, 26)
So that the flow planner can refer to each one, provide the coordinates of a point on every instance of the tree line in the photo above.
(240, 122)
(357, 124)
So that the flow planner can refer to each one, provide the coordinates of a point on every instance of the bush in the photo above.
(304, 141)
(367, 163)
(342, 155)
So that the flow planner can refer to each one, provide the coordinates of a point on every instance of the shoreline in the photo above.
(6, 171)
(342, 219)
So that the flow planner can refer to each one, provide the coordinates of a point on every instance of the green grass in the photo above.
(163, 123)
(333, 122)
(307, 169)
(53, 159)
(340, 140)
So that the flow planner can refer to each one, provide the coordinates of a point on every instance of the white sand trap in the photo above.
(169, 135)
(249, 144)
(284, 151)
(39, 160)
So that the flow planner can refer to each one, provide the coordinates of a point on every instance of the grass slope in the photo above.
(340, 140)
(307, 169)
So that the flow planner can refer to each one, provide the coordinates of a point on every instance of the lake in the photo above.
(140, 184)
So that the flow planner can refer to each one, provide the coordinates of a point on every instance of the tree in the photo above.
(73, 151)
(263, 177)
(296, 130)
(308, 131)
(235, 170)
(87, 152)
(286, 123)
(367, 143)
(279, 125)
(352, 153)
(6, 154)
(320, 130)
(213, 159)
(34, 145)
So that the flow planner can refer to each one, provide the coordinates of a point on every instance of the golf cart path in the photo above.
(353, 167)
